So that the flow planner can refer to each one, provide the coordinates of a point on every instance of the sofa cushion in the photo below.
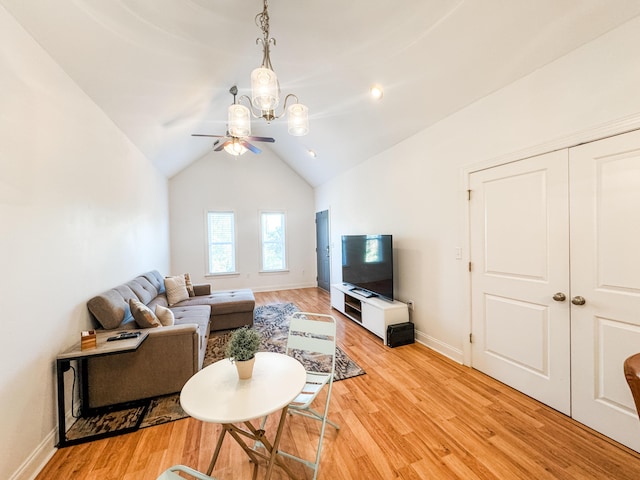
(111, 308)
(225, 302)
(159, 300)
(229, 309)
(198, 314)
(165, 316)
(156, 280)
(176, 289)
(232, 301)
(143, 315)
(143, 288)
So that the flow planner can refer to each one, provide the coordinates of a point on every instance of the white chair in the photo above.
(313, 333)
(171, 473)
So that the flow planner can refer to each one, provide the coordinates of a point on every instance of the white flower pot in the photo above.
(245, 368)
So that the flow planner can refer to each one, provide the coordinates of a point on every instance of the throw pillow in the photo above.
(187, 280)
(143, 315)
(165, 316)
(176, 289)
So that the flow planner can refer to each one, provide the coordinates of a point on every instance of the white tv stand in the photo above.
(372, 313)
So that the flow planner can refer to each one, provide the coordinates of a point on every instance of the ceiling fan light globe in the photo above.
(235, 148)
(298, 120)
(265, 91)
(376, 92)
(239, 121)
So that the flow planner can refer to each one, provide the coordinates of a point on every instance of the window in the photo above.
(272, 239)
(221, 242)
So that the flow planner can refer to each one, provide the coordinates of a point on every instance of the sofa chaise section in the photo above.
(229, 308)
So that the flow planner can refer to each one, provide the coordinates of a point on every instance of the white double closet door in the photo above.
(555, 281)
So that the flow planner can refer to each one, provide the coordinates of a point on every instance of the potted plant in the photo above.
(242, 348)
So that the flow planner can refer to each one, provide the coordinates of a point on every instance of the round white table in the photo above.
(216, 394)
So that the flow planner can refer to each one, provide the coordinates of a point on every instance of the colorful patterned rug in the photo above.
(272, 321)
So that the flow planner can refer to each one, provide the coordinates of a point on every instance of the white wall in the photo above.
(245, 185)
(81, 210)
(416, 190)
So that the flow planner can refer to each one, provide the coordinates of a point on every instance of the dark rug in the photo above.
(272, 321)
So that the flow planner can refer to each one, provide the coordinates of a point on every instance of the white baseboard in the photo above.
(275, 288)
(448, 351)
(32, 466)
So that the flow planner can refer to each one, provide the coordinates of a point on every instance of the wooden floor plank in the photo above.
(414, 415)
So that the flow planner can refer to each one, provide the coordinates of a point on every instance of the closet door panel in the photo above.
(605, 271)
(519, 253)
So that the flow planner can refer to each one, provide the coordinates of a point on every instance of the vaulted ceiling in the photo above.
(162, 69)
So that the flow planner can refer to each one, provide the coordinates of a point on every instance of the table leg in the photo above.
(276, 442)
(214, 459)
(256, 435)
(233, 431)
(272, 449)
(61, 367)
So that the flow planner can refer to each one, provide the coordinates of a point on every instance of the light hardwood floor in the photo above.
(414, 415)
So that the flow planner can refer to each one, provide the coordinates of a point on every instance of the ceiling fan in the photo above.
(238, 131)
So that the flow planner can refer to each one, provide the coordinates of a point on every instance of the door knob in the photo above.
(559, 297)
(578, 300)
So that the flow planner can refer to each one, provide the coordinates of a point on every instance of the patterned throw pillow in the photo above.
(165, 316)
(176, 289)
(187, 280)
(143, 315)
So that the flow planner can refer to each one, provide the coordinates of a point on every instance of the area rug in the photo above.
(272, 321)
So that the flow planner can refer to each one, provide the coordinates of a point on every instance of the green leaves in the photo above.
(243, 344)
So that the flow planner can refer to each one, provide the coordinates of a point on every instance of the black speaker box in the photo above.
(400, 334)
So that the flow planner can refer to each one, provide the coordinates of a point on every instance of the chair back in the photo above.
(173, 474)
(632, 374)
(312, 340)
(313, 333)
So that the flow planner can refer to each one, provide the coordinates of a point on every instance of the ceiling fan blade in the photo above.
(222, 145)
(207, 135)
(262, 139)
(253, 148)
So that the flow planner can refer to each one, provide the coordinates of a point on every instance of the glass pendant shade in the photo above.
(235, 148)
(298, 120)
(265, 91)
(239, 121)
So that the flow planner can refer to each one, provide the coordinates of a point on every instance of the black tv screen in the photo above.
(367, 263)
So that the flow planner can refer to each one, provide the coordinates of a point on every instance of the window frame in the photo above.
(284, 242)
(208, 243)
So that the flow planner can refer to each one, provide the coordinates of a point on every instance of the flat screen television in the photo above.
(367, 264)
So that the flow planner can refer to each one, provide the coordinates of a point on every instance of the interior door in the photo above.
(323, 253)
(519, 262)
(605, 277)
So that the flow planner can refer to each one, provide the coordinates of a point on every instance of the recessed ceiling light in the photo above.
(376, 91)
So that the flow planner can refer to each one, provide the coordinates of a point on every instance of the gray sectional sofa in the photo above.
(171, 354)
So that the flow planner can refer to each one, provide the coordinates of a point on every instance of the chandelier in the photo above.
(265, 88)
(236, 140)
